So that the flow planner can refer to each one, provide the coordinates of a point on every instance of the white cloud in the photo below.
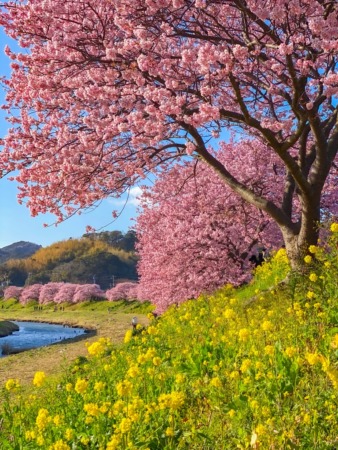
(134, 194)
(132, 199)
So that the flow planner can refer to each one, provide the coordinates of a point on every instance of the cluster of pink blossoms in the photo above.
(195, 235)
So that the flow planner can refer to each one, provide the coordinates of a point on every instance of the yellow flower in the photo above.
(306, 418)
(290, 351)
(334, 342)
(92, 409)
(124, 388)
(170, 432)
(151, 352)
(39, 379)
(243, 334)
(99, 386)
(267, 325)
(69, 434)
(308, 259)
(133, 371)
(332, 373)
(40, 440)
(313, 277)
(69, 387)
(12, 384)
(105, 407)
(152, 330)
(179, 378)
(57, 420)
(313, 249)
(81, 386)
(125, 425)
(84, 440)
(260, 429)
(269, 350)
(229, 313)
(30, 435)
(141, 359)
(234, 374)
(334, 227)
(128, 336)
(312, 358)
(156, 360)
(42, 418)
(231, 413)
(96, 348)
(60, 445)
(254, 404)
(246, 364)
(310, 294)
(114, 442)
(215, 382)
(174, 400)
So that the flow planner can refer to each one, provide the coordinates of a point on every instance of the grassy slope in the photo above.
(255, 368)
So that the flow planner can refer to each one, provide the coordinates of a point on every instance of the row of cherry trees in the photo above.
(69, 292)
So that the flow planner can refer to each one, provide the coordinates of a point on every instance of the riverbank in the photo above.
(7, 328)
(54, 359)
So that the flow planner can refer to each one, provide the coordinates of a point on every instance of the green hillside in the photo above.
(101, 258)
(255, 367)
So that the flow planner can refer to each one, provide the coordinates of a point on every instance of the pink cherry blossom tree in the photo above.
(66, 293)
(195, 234)
(48, 292)
(31, 292)
(85, 292)
(111, 91)
(123, 291)
(12, 292)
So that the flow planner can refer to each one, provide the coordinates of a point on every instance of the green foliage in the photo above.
(11, 303)
(220, 372)
(116, 239)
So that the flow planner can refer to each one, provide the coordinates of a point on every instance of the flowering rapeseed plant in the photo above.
(218, 372)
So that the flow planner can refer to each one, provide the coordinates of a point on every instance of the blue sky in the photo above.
(16, 224)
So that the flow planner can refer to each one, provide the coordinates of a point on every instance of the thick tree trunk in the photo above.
(298, 239)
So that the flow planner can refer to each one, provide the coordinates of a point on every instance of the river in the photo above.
(37, 334)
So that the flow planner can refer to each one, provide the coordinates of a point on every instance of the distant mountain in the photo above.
(102, 258)
(18, 250)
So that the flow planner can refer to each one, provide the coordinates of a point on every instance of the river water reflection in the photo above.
(36, 334)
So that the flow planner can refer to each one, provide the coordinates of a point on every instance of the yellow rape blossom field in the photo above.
(248, 368)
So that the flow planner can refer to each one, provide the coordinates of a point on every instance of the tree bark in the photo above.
(297, 239)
